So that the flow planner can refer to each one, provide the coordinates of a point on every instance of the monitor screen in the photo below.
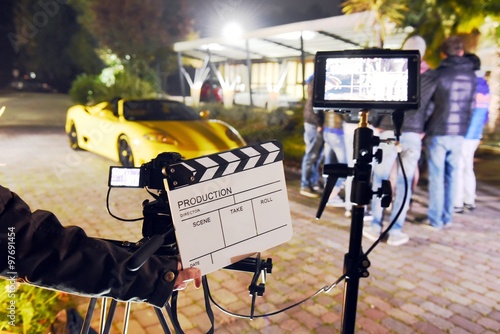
(367, 79)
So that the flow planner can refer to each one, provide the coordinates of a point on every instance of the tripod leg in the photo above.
(88, 316)
(104, 306)
(162, 320)
(111, 315)
(126, 318)
(351, 270)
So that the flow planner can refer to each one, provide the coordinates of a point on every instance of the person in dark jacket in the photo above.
(314, 143)
(450, 89)
(38, 250)
(410, 146)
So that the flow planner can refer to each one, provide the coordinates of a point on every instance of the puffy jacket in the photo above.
(37, 249)
(450, 89)
(414, 121)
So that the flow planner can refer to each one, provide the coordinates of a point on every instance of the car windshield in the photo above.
(158, 110)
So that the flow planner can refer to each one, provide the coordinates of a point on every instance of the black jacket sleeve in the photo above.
(44, 253)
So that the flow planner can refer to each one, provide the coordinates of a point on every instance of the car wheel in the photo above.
(125, 152)
(73, 138)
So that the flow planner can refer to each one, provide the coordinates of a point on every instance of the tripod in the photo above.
(148, 247)
(356, 263)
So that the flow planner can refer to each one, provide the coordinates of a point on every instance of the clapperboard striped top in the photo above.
(217, 165)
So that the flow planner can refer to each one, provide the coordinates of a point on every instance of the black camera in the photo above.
(150, 175)
(157, 215)
(381, 80)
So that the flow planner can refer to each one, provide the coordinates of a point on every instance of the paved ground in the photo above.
(440, 282)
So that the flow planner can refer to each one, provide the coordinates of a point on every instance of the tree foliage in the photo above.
(49, 42)
(385, 10)
(140, 29)
(7, 55)
(89, 89)
(434, 20)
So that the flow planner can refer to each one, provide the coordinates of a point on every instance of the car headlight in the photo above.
(160, 138)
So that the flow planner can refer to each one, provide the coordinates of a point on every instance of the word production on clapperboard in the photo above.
(228, 206)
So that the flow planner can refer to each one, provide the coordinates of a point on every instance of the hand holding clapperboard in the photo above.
(228, 206)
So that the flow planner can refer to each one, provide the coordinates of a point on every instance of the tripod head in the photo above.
(364, 142)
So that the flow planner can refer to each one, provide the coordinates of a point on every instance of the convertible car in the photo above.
(133, 132)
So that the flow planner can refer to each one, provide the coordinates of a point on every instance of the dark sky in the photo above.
(210, 15)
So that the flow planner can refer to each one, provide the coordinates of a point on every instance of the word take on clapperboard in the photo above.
(228, 206)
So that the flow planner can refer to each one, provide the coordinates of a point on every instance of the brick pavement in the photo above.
(440, 282)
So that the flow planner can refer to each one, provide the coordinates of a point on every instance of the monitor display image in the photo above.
(367, 79)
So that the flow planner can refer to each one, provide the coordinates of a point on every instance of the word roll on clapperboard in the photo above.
(228, 206)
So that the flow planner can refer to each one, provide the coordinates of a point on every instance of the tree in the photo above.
(7, 55)
(385, 11)
(141, 31)
(49, 41)
(434, 20)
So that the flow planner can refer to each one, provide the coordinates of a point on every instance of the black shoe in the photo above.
(470, 207)
(421, 220)
(426, 223)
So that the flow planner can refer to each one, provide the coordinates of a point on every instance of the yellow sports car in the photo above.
(133, 132)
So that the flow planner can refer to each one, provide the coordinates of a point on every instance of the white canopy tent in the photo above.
(291, 40)
(297, 42)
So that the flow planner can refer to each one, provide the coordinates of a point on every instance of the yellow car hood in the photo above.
(199, 135)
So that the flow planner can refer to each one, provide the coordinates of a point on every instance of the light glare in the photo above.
(232, 30)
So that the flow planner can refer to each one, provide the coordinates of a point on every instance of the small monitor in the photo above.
(369, 79)
(124, 177)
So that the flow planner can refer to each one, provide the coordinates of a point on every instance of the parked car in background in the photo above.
(32, 85)
(210, 92)
(133, 132)
(261, 98)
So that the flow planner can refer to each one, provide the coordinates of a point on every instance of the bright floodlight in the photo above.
(232, 30)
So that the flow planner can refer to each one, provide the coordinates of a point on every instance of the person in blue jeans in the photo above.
(410, 145)
(451, 89)
(314, 143)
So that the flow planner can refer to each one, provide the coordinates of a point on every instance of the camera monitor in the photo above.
(369, 79)
(124, 177)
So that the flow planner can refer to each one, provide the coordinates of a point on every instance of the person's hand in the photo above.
(186, 275)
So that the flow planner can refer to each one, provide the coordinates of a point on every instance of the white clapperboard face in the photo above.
(228, 206)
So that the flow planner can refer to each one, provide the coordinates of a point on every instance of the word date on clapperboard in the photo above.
(228, 206)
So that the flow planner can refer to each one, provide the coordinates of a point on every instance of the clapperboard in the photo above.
(228, 206)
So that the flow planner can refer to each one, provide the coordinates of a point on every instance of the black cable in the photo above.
(324, 289)
(116, 217)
